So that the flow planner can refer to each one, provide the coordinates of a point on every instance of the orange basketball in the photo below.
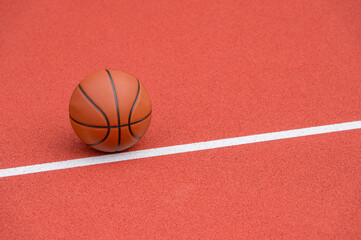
(110, 110)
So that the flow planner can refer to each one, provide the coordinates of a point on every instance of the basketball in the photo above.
(110, 110)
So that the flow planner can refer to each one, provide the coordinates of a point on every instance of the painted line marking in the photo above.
(191, 147)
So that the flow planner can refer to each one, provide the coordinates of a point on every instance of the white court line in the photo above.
(154, 152)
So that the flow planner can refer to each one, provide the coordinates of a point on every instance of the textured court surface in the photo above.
(214, 70)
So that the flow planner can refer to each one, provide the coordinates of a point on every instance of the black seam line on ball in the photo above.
(116, 104)
(131, 111)
(124, 125)
(105, 116)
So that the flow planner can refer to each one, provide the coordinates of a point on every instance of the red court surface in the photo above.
(214, 70)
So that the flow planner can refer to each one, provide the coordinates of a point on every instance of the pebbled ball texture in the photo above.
(110, 110)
